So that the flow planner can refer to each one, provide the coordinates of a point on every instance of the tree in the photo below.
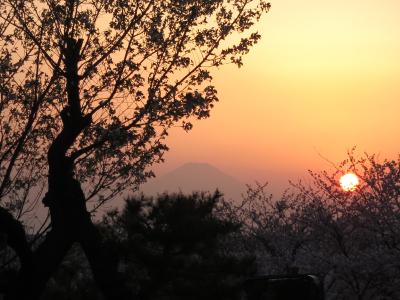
(271, 228)
(173, 247)
(88, 91)
(350, 239)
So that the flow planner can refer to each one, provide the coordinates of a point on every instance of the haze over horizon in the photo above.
(323, 78)
(195, 177)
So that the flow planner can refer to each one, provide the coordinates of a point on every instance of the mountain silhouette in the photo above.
(195, 177)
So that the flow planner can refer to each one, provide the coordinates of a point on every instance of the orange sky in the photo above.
(325, 77)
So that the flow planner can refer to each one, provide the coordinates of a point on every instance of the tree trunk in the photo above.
(70, 219)
(32, 281)
(104, 264)
(73, 225)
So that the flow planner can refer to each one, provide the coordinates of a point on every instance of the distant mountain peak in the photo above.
(195, 176)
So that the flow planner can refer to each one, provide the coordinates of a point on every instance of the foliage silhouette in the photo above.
(350, 239)
(88, 91)
(173, 247)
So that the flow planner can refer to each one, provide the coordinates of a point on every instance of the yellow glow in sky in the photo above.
(324, 78)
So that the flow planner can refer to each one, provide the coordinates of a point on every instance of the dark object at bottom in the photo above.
(284, 287)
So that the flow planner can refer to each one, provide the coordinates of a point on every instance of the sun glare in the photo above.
(349, 182)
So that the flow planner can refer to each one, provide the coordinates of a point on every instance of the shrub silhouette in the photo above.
(173, 247)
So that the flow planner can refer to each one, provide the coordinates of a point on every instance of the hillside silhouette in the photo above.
(195, 177)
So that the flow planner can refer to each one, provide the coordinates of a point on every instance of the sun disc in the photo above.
(349, 182)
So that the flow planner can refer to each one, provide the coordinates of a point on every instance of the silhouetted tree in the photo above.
(173, 247)
(350, 239)
(88, 91)
(72, 280)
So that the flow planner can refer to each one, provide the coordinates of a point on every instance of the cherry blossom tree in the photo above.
(88, 92)
(350, 239)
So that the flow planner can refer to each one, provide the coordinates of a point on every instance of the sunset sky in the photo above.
(324, 78)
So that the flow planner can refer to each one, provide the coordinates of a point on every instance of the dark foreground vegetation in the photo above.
(201, 246)
(88, 93)
(172, 247)
(351, 240)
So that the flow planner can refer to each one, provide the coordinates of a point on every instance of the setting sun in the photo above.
(349, 182)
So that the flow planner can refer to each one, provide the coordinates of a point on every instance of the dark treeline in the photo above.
(172, 247)
(351, 240)
(201, 246)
